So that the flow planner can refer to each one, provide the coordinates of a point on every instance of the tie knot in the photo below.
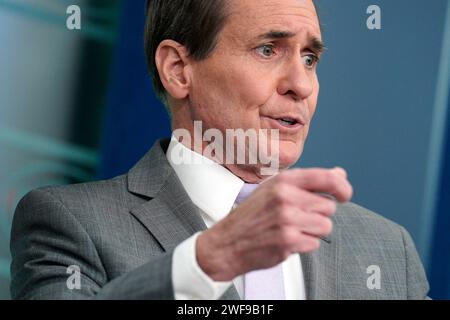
(246, 190)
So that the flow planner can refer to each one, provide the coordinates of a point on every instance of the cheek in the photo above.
(249, 84)
(207, 96)
(223, 102)
(251, 91)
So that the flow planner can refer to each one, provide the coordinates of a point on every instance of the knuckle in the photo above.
(281, 178)
(283, 189)
(315, 244)
(288, 237)
(279, 193)
(333, 181)
(283, 215)
(327, 226)
(329, 175)
(330, 207)
(341, 171)
(302, 218)
(309, 244)
(350, 193)
(275, 200)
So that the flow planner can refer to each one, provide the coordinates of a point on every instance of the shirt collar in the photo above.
(211, 187)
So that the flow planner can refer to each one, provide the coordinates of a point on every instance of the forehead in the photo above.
(249, 18)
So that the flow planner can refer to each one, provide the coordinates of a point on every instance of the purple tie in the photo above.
(266, 284)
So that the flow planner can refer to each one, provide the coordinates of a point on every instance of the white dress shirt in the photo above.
(214, 189)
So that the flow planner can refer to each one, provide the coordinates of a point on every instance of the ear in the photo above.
(171, 61)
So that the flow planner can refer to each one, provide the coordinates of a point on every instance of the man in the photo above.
(211, 229)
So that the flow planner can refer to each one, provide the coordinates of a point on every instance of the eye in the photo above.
(265, 50)
(310, 60)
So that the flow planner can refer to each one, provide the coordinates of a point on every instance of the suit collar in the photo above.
(148, 176)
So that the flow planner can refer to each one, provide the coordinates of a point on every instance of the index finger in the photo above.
(333, 182)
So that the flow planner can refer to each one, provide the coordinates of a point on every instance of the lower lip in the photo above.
(282, 127)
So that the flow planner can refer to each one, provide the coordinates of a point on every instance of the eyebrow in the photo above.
(315, 43)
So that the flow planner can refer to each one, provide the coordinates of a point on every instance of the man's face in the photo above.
(262, 70)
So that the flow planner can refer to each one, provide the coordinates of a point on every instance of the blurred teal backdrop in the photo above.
(78, 105)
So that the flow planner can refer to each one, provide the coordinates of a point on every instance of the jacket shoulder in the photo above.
(352, 215)
(87, 202)
(83, 194)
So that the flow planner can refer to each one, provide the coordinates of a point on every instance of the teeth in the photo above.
(286, 121)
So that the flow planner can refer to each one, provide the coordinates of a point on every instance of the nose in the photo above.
(297, 81)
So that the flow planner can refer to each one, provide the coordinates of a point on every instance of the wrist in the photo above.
(213, 258)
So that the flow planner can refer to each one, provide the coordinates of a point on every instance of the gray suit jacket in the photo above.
(121, 234)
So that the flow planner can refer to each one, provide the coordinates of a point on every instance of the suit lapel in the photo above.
(169, 214)
(321, 269)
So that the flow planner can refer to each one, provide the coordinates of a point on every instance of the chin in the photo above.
(290, 152)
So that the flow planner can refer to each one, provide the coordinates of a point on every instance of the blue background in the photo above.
(81, 107)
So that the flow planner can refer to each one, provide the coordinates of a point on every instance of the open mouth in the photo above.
(287, 122)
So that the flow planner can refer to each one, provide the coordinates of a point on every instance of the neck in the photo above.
(246, 172)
